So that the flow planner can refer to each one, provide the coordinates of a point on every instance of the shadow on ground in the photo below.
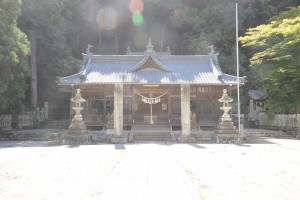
(258, 141)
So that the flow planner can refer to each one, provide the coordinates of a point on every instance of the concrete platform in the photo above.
(261, 169)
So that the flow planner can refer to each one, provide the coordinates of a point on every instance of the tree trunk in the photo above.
(33, 91)
(162, 38)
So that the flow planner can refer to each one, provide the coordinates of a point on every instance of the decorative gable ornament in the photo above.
(213, 55)
(150, 64)
(149, 46)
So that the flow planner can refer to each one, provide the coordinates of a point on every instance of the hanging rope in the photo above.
(150, 100)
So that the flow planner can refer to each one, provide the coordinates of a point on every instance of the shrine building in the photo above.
(151, 90)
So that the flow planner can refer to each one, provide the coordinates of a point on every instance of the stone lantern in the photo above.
(77, 100)
(225, 99)
(226, 132)
(77, 131)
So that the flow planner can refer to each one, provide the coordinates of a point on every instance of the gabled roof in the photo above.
(150, 68)
(149, 63)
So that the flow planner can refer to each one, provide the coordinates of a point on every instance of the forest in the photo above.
(59, 31)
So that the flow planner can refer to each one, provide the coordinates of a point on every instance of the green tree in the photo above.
(46, 22)
(276, 50)
(14, 52)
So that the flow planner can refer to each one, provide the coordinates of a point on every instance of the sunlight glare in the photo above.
(88, 9)
(137, 19)
(136, 6)
(107, 18)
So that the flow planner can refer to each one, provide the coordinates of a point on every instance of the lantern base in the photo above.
(77, 133)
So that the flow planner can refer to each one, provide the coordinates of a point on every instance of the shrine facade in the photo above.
(150, 87)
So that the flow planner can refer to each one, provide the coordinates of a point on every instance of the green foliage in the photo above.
(277, 38)
(276, 44)
(14, 52)
(283, 87)
(45, 21)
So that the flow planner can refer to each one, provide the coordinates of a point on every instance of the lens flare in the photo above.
(138, 19)
(107, 18)
(88, 9)
(136, 6)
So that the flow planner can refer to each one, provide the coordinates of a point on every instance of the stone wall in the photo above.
(280, 120)
(287, 123)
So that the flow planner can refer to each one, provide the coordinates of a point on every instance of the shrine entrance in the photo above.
(151, 104)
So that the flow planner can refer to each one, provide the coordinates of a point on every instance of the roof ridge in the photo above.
(242, 79)
(116, 58)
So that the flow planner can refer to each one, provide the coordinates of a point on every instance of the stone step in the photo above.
(150, 127)
(151, 138)
(145, 129)
(146, 132)
(159, 131)
(162, 124)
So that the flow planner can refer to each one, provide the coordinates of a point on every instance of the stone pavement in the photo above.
(262, 169)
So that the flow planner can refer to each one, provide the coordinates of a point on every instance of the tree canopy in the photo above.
(279, 38)
(276, 52)
(47, 23)
(14, 52)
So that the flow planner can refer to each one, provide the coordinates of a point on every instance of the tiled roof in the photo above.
(151, 69)
(257, 95)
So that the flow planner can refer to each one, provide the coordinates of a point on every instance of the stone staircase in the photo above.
(159, 131)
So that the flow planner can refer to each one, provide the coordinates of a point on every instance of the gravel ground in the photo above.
(263, 169)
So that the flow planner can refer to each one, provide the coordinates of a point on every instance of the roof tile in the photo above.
(175, 70)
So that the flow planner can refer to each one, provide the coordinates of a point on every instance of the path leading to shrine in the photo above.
(264, 169)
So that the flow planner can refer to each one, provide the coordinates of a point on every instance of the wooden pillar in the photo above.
(185, 114)
(134, 104)
(104, 101)
(169, 102)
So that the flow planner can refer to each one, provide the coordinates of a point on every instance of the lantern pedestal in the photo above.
(226, 132)
(77, 133)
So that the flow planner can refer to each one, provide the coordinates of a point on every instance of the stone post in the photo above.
(241, 134)
(185, 114)
(252, 114)
(46, 109)
(118, 136)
